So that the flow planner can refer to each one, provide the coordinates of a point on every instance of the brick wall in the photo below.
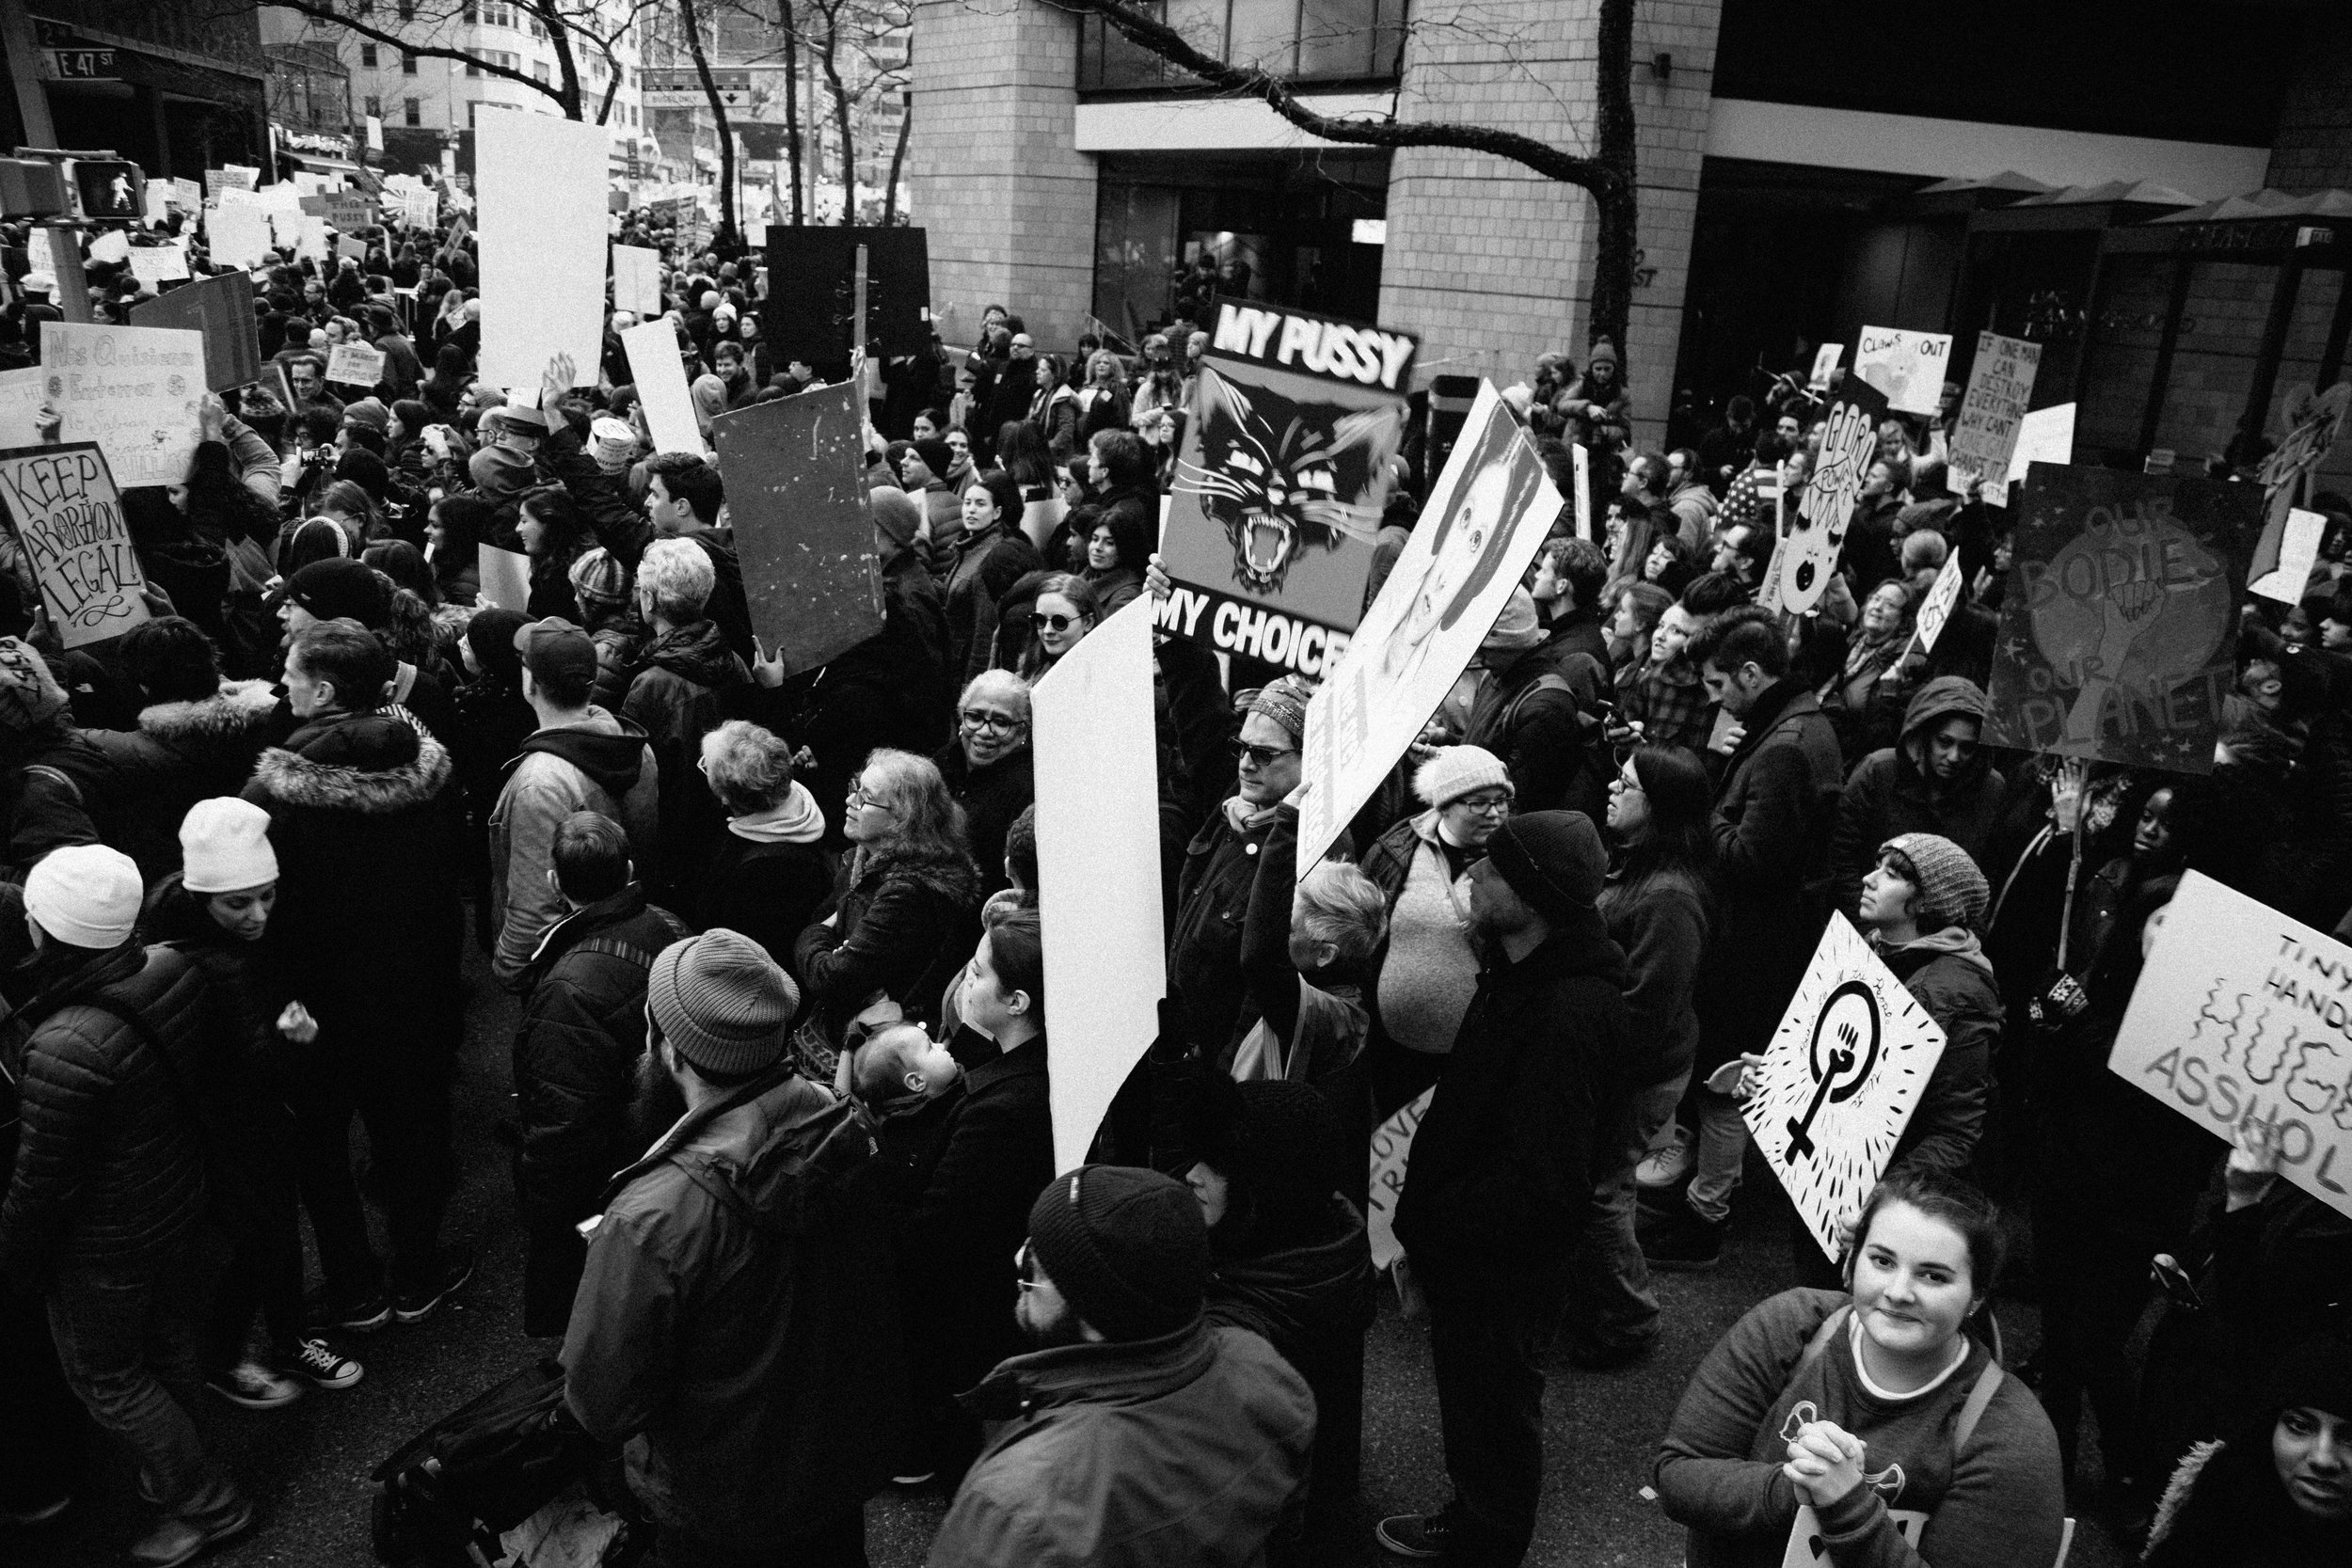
(1490, 262)
(2313, 148)
(1006, 199)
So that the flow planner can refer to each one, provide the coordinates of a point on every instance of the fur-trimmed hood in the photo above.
(233, 713)
(318, 776)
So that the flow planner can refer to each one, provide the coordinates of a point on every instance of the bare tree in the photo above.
(845, 40)
(729, 234)
(1606, 175)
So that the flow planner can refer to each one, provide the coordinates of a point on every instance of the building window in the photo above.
(367, 56)
(376, 107)
(411, 111)
(408, 11)
(473, 67)
(1297, 39)
(539, 69)
(407, 63)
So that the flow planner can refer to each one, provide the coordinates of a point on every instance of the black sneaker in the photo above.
(1416, 1535)
(362, 1315)
(1682, 1242)
(413, 1304)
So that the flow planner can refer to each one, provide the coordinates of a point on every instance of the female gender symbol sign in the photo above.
(1850, 1062)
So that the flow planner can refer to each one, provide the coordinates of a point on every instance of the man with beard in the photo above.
(1937, 779)
(1135, 1433)
(736, 1323)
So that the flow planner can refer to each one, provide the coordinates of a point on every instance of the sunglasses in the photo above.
(1045, 621)
(1262, 755)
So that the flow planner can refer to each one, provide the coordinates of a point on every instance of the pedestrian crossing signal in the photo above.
(106, 190)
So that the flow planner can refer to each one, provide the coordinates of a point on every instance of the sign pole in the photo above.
(65, 261)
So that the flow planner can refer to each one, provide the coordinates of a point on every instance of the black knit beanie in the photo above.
(1278, 1142)
(1126, 1247)
(1553, 860)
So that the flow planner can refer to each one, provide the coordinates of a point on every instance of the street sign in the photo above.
(683, 89)
(67, 56)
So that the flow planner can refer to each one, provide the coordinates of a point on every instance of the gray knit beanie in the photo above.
(721, 1001)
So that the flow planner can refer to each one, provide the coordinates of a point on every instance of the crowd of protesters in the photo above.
(781, 1137)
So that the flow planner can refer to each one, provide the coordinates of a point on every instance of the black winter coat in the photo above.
(891, 690)
(991, 796)
(686, 684)
(903, 927)
(110, 1159)
(768, 891)
(180, 753)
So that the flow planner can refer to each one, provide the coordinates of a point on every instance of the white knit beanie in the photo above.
(85, 895)
(1458, 771)
(224, 846)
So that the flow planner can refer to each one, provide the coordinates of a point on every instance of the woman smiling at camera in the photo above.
(1875, 1409)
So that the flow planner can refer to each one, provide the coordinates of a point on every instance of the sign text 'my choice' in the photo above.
(1238, 626)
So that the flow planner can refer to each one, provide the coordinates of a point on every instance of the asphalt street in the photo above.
(308, 1464)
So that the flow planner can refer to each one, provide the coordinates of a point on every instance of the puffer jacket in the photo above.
(1890, 792)
(1176, 1452)
(184, 753)
(684, 685)
(979, 570)
(903, 926)
(1949, 974)
(110, 1162)
(601, 763)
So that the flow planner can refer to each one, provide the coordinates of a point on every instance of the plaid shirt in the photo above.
(1673, 712)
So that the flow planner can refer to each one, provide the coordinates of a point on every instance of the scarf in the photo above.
(795, 820)
(1244, 818)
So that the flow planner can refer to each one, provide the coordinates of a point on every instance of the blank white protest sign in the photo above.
(539, 182)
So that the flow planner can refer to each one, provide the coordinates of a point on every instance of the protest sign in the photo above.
(637, 279)
(541, 181)
(652, 348)
(111, 248)
(2000, 383)
(2244, 1015)
(231, 177)
(1908, 367)
(1281, 481)
(798, 497)
(239, 236)
(131, 390)
(63, 505)
(1813, 532)
(2044, 435)
(2118, 627)
(157, 264)
(1391, 1155)
(356, 365)
(809, 318)
(1839, 1081)
(505, 579)
(1097, 799)
(1825, 365)
(350, 212)
(1583, 463)
(1935, 610)
(188, 196)
(2307, 425)
(1487, 514)
(221, 308)
(21, 392)
(2284, 562)
(349, 249)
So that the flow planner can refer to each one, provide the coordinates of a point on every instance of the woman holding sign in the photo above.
(1869, 1426)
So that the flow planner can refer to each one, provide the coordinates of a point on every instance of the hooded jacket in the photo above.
(1949, 974)
(1891, 792)
(1176, 1452)
(601, 763)
(180, 753)
(736, 1325)
(682, 689)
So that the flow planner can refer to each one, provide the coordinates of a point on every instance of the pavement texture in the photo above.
(308, 1464)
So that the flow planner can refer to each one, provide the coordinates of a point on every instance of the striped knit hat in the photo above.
(722, 1002)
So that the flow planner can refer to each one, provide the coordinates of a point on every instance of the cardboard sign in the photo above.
(809, 317)
(134, 391)
(1488, 516)
(652, 348)
(2119, 626)
(349, 211)
(186, 195)
(1583, 463)
(637, 279)
(798, 496)
(2044, 435)
(1825, 365)
(222, 310)
(1282, 482)
(349, 249)
(1813, 532)
(158, 264)
(233, 177)
(2283, 561)
(541, 184)
(2308, 423)
(505, 580)
(21, 392)
(1839, 1081)
(356, 365)
(2243, 1015)
(2000, 383)
(63, 505)
(1099, 901)
(111, 248)
(1908, 367)
(1391, 1156)
(1935, 612)
(238, 236)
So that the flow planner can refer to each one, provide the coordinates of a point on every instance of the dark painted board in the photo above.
(812, 275)
(222, 309)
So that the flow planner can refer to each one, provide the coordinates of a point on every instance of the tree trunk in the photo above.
(1615, 236)
(730, 239)
(791, 102)
(898, 159)
(825, 60)
(566, 68)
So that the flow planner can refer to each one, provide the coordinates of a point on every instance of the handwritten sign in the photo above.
(233, 177)
(1935, 612)
(349, 211)
(131, 390)
(153, 264)
(1825, 365)
(356, 365)
(1391, 1155)
(1908, 367)
(2243, 1015)
(2000, 383)
(67, 513)
(1839, 1081)
(1813, 532)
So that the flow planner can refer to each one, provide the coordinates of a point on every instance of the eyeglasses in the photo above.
(1627, 782)
(1025, 1268)
(859, 799)
(1485, 805)
(980, 718)
(1045, 621)
(1261, 756)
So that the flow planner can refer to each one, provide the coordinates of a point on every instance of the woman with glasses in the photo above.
(1422, 864)
(987, 767)
(1066, 610)
(903, 906)
(1657, 905)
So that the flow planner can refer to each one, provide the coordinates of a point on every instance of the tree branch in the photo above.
(324, 10)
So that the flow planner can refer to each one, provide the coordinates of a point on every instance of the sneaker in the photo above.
(364, 1315)
(1682, 1242)
(254, 1386)
(1418, 1535)
(414, 1304)
(1663, 1167)
(177, 1541)
(316, 1361)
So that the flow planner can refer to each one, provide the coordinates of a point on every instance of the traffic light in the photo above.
(106, 190)
(31, 188)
